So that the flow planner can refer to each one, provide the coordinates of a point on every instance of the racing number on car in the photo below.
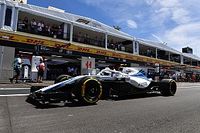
(88, 64)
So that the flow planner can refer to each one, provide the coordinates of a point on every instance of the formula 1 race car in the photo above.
(88, 89)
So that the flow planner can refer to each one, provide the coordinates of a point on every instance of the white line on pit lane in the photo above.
(14, 95)
(188, 87)
(14, 88)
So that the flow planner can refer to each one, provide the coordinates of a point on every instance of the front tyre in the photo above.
(168, 87)
(90, 90)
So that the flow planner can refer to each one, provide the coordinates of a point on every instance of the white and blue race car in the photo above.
(88, 89)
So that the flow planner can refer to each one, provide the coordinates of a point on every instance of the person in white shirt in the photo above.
(17, 68)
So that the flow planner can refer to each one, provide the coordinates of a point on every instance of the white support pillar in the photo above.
(136, 47)
(15, 14)
(12, 17)
(133, 46)
(65, 31)
(182, 61)
(106, 41)
(156, 53)
(2, 15)
(169, 56)
(71, 32)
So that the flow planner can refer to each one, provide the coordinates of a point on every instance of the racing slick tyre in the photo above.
(61, 78)
(168, 87)
(89, 90)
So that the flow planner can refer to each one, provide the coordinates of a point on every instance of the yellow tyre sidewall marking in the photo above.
(83, 89)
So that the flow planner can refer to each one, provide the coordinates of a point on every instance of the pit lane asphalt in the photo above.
(139, 114)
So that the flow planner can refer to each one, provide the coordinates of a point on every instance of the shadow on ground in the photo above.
(136, 96)
(39, 105)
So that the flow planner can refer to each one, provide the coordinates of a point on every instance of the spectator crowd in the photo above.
(39, 27)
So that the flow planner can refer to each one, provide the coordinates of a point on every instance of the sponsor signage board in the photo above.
(15, 37)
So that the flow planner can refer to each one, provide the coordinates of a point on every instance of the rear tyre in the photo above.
(89, 90)
(62, 78)
(168, 87)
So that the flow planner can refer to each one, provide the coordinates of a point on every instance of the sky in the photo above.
(174, 22)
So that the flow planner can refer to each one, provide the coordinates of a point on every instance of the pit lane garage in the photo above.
(88, 89)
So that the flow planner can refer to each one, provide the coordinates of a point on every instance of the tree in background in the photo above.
(117, 27)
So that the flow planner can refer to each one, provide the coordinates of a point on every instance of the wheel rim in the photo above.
(91, 90)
